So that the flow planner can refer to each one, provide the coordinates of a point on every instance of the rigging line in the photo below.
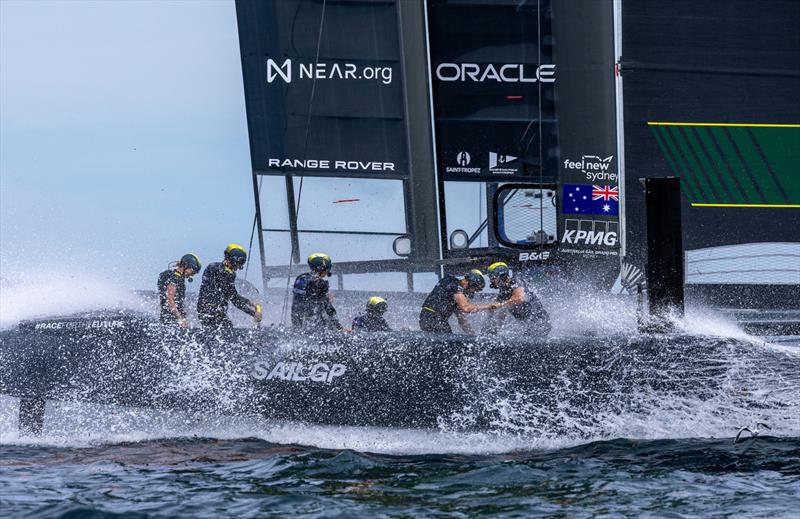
(305, 153)
(481, 201)
(525, 134)
(539, 83)
(253, 232)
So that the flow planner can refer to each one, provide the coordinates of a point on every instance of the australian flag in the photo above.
(590, 199)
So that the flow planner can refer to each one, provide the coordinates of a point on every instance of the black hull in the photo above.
(402, 379)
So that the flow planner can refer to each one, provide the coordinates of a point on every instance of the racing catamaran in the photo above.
(412, 139)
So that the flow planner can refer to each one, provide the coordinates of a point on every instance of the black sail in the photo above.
(711, 96)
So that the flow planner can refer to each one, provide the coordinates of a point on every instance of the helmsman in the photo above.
(219, 288)
(451, 295)
(513, 299)
(312, 302)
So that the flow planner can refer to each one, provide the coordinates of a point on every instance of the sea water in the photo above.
(251, 469)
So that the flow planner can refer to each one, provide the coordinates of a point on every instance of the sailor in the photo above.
(451, 296)
(522, 305)
(312, 302)
(219, 287)
(372, 320)
(172, 289)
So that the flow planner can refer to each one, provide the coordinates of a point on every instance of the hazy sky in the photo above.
(123, 138)
(123, 145)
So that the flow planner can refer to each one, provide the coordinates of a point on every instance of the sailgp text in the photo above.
(298, 372)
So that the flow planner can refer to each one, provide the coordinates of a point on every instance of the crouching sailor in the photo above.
(312, 302)
(372, 320)
(172, 290)
(451, 296)
(523, 306)
(219, 287)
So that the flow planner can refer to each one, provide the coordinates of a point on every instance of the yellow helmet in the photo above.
(320, 262)
(499, 270)
(236, 254)
(475, 279)
(192, 261)
(377, 304)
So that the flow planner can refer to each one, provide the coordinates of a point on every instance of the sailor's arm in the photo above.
(331, 312)
(384, 326)
(245, 305)
(173, 307)
(465, 307)
(517, 297)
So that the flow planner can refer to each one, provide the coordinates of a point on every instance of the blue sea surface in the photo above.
(205, 477)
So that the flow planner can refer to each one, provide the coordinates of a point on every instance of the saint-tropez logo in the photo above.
(463, 159)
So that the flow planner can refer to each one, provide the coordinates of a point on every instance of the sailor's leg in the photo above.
(225, 323)
(216, 322)
(31, 416)
(431, 322)
(444, 327)
(427, 321)
(206, 322)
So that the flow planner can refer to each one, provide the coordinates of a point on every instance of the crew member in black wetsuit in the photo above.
(172, 290)
(219, 288)
(522, 305)
(372, 320)
(451, 296)
(312, 302)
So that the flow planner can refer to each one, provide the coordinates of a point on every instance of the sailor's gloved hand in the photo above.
(258, 315)
(183, 323)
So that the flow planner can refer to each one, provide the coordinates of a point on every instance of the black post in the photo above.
(664, 249)
(420, 189)
(292, 207)
(260, 228)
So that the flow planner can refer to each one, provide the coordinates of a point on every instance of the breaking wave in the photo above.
(719, 381)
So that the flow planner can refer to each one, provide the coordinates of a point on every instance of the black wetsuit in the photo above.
(175, 278)
(440, 305)
(311, 307)
(371, 322)
(219, 288)
(531, 312)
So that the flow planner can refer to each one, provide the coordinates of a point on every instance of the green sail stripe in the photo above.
(702, 195)
(682, 171)
(768, 186)
(752, 191)
(724, 188)
(710, 147)
(696, 170)
(767, 164)
(673, 166)
(781, 146)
